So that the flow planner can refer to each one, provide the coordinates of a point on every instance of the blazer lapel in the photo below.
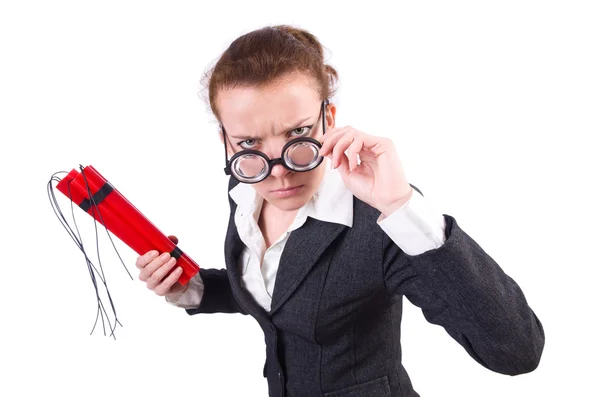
(302, 250)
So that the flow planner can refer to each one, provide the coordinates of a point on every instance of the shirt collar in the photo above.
(332, 202)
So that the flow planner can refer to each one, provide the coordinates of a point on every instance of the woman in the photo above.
(321, 248)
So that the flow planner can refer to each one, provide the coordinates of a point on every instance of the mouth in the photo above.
(286, 192)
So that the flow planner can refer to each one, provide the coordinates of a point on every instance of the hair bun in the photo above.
(261, 56)
(304, 36)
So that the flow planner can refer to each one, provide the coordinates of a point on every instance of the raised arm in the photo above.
(461, 288)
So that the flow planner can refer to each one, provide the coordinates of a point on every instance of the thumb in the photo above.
(174, 239)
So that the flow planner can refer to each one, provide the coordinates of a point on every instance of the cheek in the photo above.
(313, 179)
(317, 174)
(260, 188)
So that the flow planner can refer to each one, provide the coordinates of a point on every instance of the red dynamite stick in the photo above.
(143, 225)
(126, 231)
(125, 209)
(105, 214)
(122, 218)
(129, 233)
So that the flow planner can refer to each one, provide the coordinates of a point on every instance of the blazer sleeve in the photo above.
(217, 296)
(461, 288)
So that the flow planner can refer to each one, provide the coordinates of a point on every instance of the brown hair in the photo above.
(258, 58)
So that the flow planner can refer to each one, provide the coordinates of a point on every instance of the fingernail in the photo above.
(164, 255)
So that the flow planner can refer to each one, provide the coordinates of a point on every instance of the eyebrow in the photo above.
(297, 124)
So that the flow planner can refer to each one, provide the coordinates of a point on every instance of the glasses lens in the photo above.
(249, 167)
(302, 156)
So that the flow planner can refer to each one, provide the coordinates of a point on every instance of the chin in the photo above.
(290, 203)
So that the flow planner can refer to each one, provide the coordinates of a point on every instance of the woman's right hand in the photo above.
(153, 269)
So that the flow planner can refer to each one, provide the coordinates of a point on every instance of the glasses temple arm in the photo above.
(225, 146)
(324, 107)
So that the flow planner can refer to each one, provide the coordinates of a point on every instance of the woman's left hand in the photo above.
(379, 180)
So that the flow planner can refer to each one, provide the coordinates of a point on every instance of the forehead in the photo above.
(260, 110)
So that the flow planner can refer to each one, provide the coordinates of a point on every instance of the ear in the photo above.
(330, 111)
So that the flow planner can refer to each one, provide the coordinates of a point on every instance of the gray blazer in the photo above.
(334, 325)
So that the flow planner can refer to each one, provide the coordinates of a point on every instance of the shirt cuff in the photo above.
(416, 227)
(191, 297)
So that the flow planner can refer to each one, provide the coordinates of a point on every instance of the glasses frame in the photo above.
(280, 160)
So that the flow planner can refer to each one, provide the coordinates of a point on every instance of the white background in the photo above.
(493, 106)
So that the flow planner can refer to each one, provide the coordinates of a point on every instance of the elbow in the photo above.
(531, 360)
(526, 350)
(533, 348)
(524, 357)
(525, 365)
(513, 363)
(515, 355)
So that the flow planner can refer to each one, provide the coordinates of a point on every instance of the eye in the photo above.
(300, 131)
(247, 144)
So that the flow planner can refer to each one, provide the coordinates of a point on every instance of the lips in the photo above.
(287, 189)
(287, 192)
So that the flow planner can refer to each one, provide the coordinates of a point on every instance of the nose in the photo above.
(273, 150)
(279, 171)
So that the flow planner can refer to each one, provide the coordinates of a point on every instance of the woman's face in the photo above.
(265, 119)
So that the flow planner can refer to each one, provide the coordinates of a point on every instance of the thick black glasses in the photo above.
(299, 155)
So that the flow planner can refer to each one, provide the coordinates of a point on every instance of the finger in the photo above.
(331, 140)
(142, 261)
(329, 133)
(353, 152)
(340, 147)
(165, 286)
(160, 273)
(151, 267)
(344, 166)
(376, 144)
(174, 239)
(332, 137)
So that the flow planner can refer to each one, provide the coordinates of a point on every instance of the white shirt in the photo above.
(415, 227)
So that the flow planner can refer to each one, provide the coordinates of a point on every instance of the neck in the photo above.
(272, 212)
(273, 222)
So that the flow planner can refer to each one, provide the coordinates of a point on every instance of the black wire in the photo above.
(65, 224)
(107, 233)
(101, 311)
(94, 272)
(95, 208)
